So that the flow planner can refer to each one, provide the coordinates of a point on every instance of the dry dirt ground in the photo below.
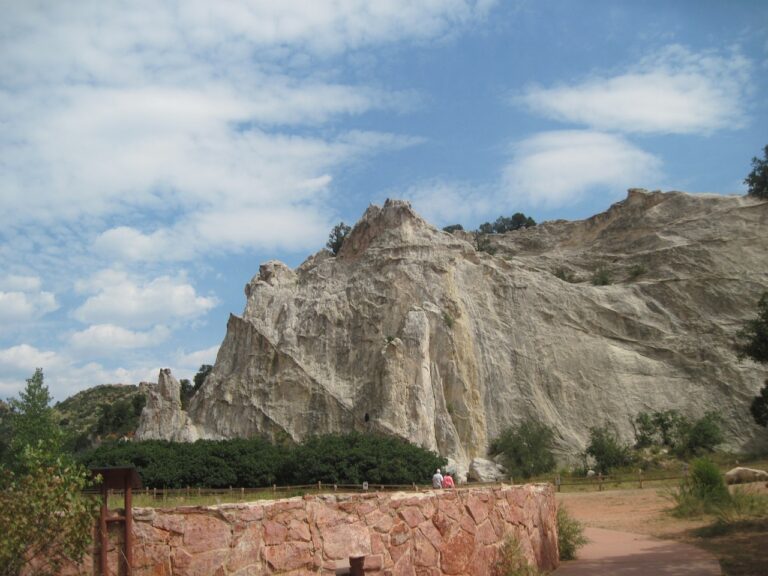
(742, 548)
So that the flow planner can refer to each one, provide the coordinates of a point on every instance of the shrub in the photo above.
(453, 228)
(526, 449)
(570, 534)
(483, 244)
(601, 277)
(636, 271)
(703, 491)
(512, 562)
(337, 236)
(606, 449)
(701, 436)
(341, 458)
(565, 275)
(757, 179)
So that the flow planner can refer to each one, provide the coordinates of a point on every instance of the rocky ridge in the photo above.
(412, 331)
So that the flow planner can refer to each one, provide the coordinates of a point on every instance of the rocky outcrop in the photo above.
(741, 475)
(162, 417)
(412, 331)
(437, 532)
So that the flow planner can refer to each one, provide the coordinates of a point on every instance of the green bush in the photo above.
(342, 459)
(570, 534)
(512, 562)
(606, 449)
(702, 492)
(757, 179)
(526, 449)
(636, 271)
(601, 277)
(701, 436)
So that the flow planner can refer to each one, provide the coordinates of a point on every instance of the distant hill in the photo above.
(108, 410)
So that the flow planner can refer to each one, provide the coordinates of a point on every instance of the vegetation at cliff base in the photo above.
(752, 343)
(332, 459)
(526, 449)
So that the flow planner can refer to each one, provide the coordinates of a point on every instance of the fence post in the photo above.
(242, 493)
(319, 486)
(274, 488)
(600, 482)
(640, 474)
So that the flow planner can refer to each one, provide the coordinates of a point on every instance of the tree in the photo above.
(453, 228)
(526, 449)
(752, 342)
(44, 517)
(606, 449)
(201, 375)
(701, 436)
(337, 236)
(757, 180)
(32, 421)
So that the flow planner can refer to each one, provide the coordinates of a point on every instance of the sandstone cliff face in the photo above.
(411, 331)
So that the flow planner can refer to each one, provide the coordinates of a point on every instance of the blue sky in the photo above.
(153, 154)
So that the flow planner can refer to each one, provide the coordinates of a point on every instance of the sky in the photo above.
(154, 153)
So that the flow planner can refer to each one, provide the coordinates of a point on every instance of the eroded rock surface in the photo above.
(411, 331)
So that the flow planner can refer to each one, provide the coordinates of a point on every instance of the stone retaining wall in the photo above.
(451, 532)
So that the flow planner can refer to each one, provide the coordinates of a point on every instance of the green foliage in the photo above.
(348, 458)
(202, 375)
(752, 342)
(32, 422)
(448, 319)
(752, 339)
(700, 436)
(44, 517)
(337, 236)
(512, 562)
(483, 243)
(636, 271)
(607, 450)
(120, 418)
(82, 416)
(526, 449)
(759, 406)
(507, 224)
(453, 228)
(674, 431)
(757, 179)
(570, 534)
(566, 275)
(601, 277)
(702, 492)
(355, 458)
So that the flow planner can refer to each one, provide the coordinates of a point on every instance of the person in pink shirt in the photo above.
(448, 481)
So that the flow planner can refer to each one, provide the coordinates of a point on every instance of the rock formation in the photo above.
(412, 331)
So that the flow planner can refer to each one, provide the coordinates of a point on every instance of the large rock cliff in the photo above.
(412, 331)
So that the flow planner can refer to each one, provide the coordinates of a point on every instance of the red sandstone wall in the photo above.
(453, 532)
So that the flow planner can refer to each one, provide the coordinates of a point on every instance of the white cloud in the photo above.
(442, 203)
(559, 168)
(22, 300)
(192, 361)
(27, 358)
(62, 374)
(673, 91)
(108, 339)
(125, 301)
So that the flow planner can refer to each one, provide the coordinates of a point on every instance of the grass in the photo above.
(570, 534)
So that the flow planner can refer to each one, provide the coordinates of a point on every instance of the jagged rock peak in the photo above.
(394, 223)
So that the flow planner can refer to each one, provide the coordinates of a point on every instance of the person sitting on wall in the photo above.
(448, 481)
(437, 479)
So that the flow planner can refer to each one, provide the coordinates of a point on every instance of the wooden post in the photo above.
(128, 528)
(640, 475)
(103, 531)
(600, 481)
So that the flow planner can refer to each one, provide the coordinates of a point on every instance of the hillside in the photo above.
(83, 417)
(413, 332)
